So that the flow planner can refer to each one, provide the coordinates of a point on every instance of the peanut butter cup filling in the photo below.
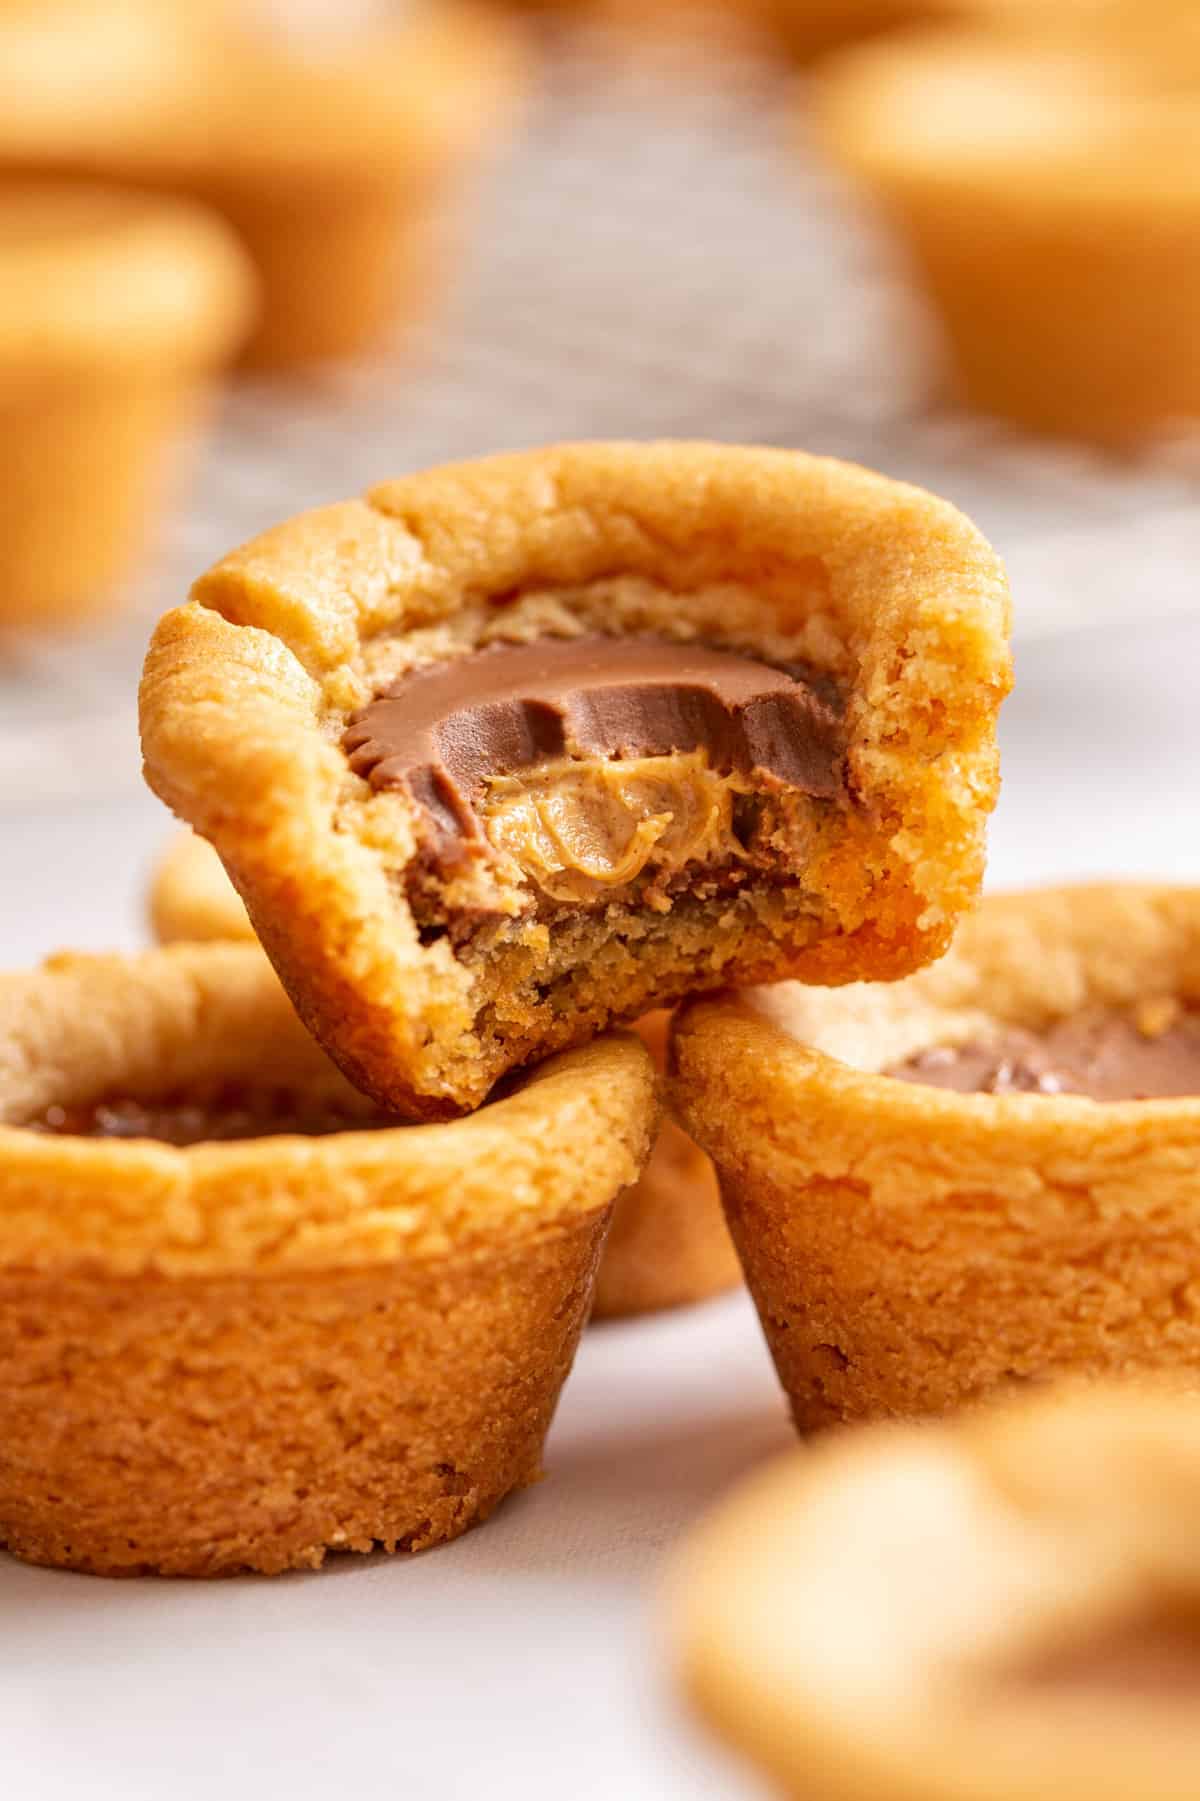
(1150, 1053)
(577, 771)
(220, 1115)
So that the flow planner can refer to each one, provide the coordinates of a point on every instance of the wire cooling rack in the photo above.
(660, 254)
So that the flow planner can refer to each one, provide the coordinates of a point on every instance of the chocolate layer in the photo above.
(1106, 1055)
(225, 1114)
(439, 733)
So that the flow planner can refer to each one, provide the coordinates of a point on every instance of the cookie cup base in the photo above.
(196, 1427)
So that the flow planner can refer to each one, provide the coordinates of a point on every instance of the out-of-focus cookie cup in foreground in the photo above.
(669, 1244)
(512, 749)
(330, 152)
(116, 313)
(1049, 199)
(808, 29)
(245, 1319)
(999, 1610)
(987, 1174)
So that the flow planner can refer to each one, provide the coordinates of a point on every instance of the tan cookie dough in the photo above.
(332, 154)
(287, 1325)
(1000, 1610)
(287, 709)
(911, 1248)
(668, 1245)
(1046, 195)
(116, 314)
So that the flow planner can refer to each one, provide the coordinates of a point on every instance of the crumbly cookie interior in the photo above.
(620, 876)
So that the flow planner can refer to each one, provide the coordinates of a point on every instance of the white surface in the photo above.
(523, 1661)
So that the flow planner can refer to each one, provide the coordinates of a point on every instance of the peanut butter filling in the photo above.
(576, 830)
(572, 772)
(219, 1116)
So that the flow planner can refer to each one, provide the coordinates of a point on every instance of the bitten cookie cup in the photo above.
(669, 1244)
(515, 748)
(246, 1320)
(116, 314)
(329, 154)
(911, 1249)
(1048, 199)
(999, 1610)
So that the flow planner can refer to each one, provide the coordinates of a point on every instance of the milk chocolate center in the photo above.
(440, 733)
(1104, 1054)
(222, 1115)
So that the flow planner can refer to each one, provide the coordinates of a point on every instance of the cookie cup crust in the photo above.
(239, 1355)
(911, 1249)
(995, 1543)
(247, 687)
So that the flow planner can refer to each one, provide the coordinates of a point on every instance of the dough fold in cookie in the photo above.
(516, 748)
(245, 1318)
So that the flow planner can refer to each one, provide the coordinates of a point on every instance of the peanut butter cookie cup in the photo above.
(244, 1318)
(1049, 199)
(515, 748)
(988, 1174)
(116, 315)
(330, 152)
(669, 1243)
(999, 1610)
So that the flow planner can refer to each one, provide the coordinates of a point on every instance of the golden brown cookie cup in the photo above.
(242, 1355)
(332, 159)
(1048, 203)
(247, 691)
(116, 314)
(909, 1249)
(669, 1244)
(1000, 1610)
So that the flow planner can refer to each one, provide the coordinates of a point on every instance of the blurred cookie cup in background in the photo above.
(1047, 195)
(245, 1318)
(1001, 1609)
(669, 1244)
(330, 151)
(117, 313)
(988, 1174)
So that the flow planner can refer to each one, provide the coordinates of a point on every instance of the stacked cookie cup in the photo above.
(500, 758)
